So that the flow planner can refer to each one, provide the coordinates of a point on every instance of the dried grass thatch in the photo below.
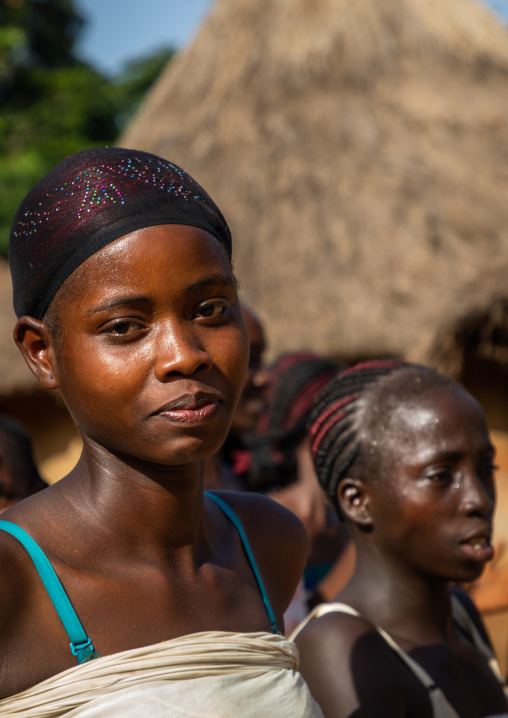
(360, 152)
(476, 324)
(14, 373)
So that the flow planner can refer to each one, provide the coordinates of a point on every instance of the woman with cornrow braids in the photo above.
(280, 465)
(404, 453)
(294, 381)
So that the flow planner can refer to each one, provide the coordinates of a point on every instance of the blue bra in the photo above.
(81, 645)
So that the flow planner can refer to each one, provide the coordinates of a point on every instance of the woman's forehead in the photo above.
(445, 417)
(178, 258)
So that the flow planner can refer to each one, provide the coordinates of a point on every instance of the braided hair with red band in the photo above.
(339, 415)
(295, 381)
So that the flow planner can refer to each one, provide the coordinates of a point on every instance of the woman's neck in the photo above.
(406, 603)
(141, 508)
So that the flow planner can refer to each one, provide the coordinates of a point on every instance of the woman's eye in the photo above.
(212, 310)
(122, 328)
(441, 476)
(487, 471)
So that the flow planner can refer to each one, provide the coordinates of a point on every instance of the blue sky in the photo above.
(121, 30)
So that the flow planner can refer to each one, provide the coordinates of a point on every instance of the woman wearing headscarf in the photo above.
(126, 588)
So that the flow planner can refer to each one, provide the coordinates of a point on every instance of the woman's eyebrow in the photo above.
(223, 280)
(486, 450)
(116, 303)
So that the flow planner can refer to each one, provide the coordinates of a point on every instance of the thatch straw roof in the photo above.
(14, 373)
(476, 319)
(360, 153)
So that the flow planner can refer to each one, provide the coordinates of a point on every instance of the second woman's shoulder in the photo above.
(471, 610)
(350, 669)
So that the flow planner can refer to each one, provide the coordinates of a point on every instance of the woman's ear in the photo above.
(353, 500)
(35, 343)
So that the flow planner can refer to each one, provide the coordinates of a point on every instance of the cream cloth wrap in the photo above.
(213, 674)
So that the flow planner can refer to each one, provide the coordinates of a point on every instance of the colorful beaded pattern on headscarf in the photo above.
(89, 200)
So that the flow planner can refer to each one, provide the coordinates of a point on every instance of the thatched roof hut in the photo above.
(14, 373)
(360, 153)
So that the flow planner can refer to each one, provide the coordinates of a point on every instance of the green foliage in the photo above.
(52, 104)
(136, 79)
(18, 172)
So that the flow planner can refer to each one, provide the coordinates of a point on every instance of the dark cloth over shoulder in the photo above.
(89, 200)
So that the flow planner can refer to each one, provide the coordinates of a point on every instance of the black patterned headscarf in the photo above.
(89, 200)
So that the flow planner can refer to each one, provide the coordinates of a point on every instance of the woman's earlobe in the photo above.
(35, 343)
(354, 501)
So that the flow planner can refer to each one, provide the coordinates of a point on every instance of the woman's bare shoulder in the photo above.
(278, 540)
(253, 507)
(16, 577)
(349, 667)
(264, 519)
(336, 629)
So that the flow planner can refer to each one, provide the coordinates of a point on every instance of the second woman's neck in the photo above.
(403, 602)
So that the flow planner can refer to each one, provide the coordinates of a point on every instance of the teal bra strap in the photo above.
(81, 645)
(226, 509)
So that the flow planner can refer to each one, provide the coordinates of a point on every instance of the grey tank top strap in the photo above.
(441, 707)
(464, 621)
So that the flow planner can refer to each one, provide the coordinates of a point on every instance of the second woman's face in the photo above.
(434, 497)
(153, 352)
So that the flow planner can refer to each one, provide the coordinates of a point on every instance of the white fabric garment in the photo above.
(297, 609)
(213, 674)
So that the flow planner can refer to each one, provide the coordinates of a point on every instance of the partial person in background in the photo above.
(19, 476)
(224, 469)
(280, 464)
(252, 400)
(404, 454)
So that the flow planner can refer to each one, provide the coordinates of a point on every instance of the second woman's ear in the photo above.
(354, 501)
(35, 343)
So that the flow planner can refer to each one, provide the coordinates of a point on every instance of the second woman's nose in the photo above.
(478, 497)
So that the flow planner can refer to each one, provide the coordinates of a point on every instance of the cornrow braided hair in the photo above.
(335, 421)
(295, 381)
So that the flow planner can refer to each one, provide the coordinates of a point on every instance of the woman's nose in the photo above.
(260, 377)
(180, 350)
(478, 496)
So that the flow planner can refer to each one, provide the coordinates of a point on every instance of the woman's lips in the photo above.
(478, 548)
(194, 415)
